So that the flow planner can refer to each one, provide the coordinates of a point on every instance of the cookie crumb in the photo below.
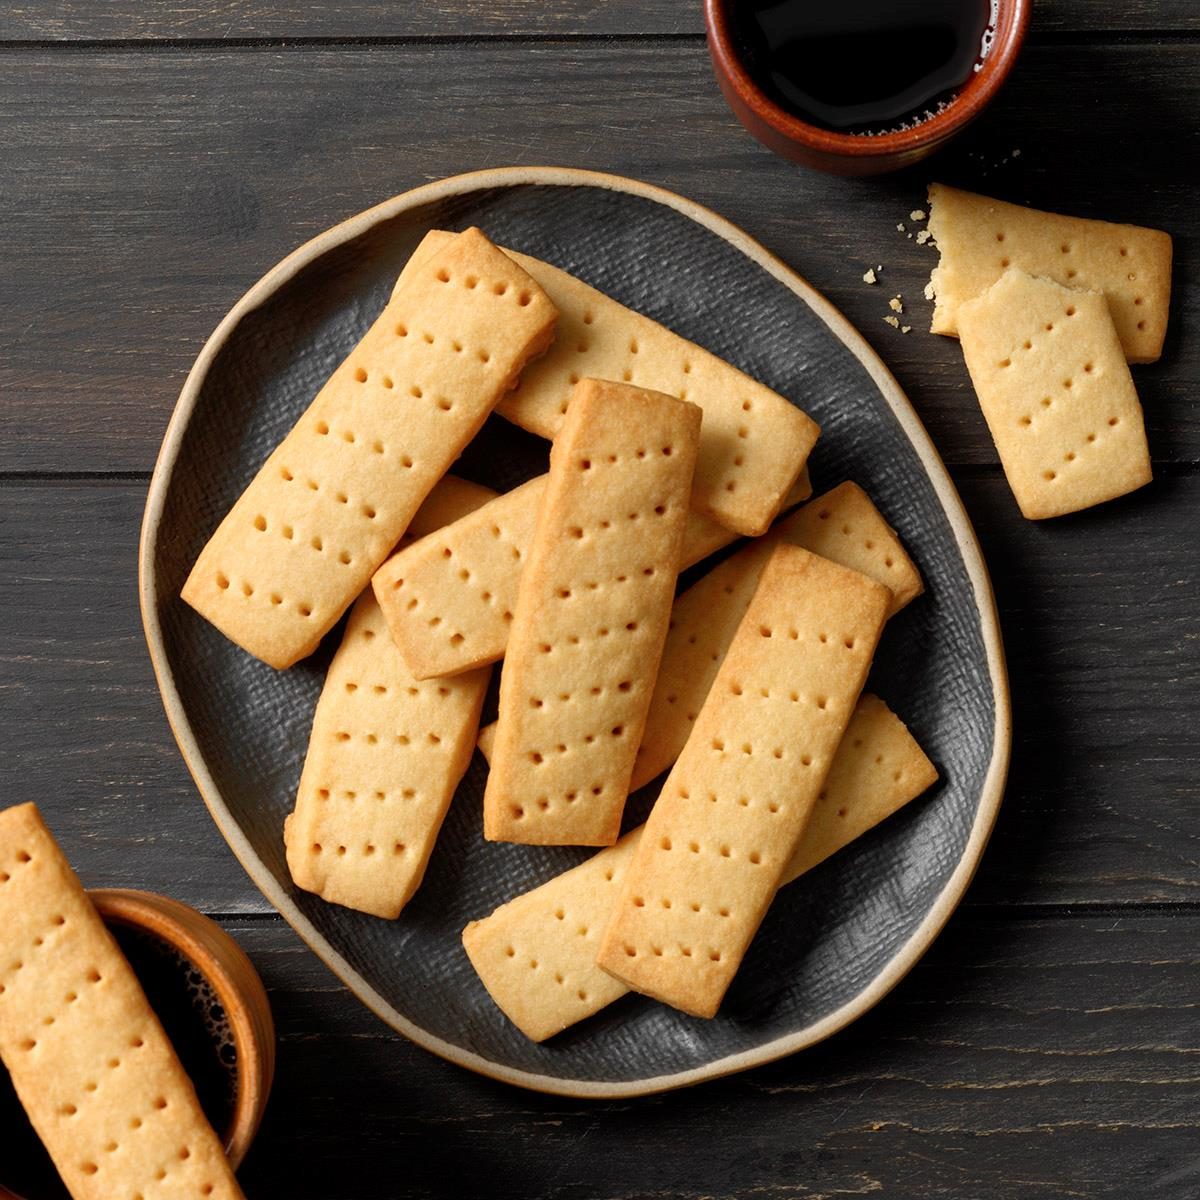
(1016, 153)
(869, 277)
(929, 292)
(900, 226)
(905, 328)
(894, 322)
(917, 214)
(923, 237)
(895, 304)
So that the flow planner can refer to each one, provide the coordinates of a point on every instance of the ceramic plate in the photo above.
(834, 942)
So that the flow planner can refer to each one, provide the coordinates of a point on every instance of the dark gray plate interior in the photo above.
(827, 936)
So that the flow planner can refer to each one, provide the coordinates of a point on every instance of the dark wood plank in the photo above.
(1099, 613)
(1025, 1058)
(145, 191)
(84, 731)
(1100, 625)
(367, 19)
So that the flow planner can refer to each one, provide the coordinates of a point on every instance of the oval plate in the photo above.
(833, 943)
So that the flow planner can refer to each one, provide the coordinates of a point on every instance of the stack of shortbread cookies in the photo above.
(1049, 310)
(746, 689)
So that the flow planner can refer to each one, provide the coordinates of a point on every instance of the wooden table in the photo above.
(157, 157)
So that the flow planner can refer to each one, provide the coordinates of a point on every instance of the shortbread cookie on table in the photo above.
(842, 525)
(385, 755)
(980, 238)
(734, 806)
(753, 441)
(536, 955)
(332, 500)
(591, 615)
(1053, 384)
(449, 600)
(100, 1080)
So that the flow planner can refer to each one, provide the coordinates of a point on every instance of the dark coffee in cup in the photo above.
(862, 66)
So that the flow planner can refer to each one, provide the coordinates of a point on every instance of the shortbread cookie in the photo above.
(753, 442)
(842, 525)
(734, 806)
(1047, 367)
(536, 955)
(980, 238)
(333, 499)
(591, 615)
(88, 1058)
(449, 600)
(385, 756)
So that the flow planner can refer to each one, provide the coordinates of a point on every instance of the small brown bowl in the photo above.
(849, 153)
(211, 1002)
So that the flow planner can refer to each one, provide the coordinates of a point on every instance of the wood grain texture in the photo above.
(84, 733)
(371, 19)
(1022, 1059)
(199, 177)
(1098, 611)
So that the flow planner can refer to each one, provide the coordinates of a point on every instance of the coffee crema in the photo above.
(862, 66)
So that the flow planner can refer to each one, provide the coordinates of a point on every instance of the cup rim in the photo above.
(238, 988)
(974, 95)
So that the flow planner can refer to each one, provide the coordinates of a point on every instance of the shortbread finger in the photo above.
(449, 600)
(1053, 384)
(387, 752)
(753, 442)
(980, 238)
(88, 1058)
(734, 806)
(842, 525)
(335, 496)
(536, 955)
(590, 618)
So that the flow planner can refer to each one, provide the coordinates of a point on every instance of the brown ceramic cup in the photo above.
(859, 154)
(201, 946)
